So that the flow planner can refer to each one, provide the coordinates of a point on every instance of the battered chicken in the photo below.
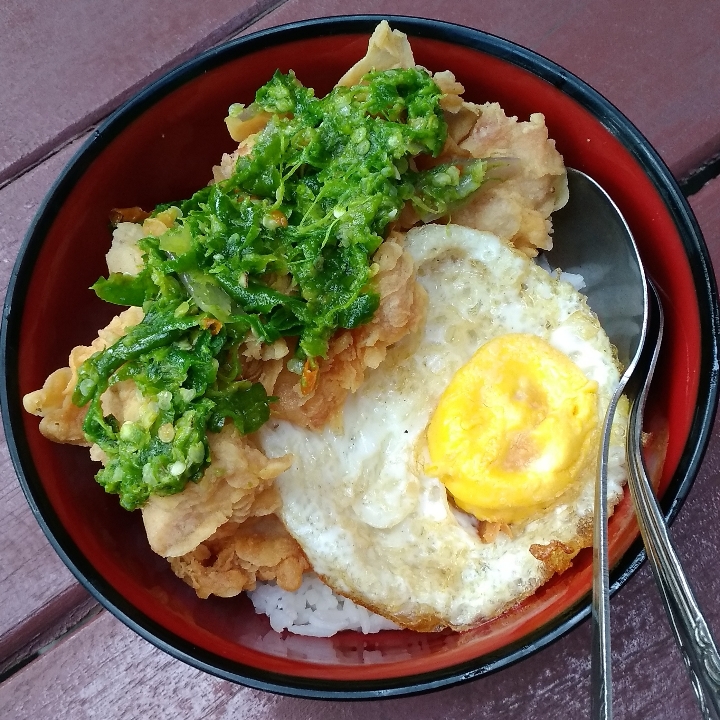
(527, 178)
(531, 180)
(61, 419)
(238, 475)
(352, 352)
(387, 49)
(239, 554)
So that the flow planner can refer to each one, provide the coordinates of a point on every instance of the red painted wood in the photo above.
(63, 66)
(656, 65)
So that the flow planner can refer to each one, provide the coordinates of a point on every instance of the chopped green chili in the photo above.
(305, 210)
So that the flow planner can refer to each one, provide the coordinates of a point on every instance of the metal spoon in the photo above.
(686, 620)
(591, 237)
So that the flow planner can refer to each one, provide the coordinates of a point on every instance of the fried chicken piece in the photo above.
(238, 476)
(248, 123)
(235, 557)
(529, 180)
(352, 352)
(527, 183)
(124, 255)
(460, 124)
(460, 117)
(226, 168)
(387, 49)
(61, 419)
(264, 363)
(460, 114)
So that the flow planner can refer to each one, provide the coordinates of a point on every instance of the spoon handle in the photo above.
(686, 619)
(600, 657)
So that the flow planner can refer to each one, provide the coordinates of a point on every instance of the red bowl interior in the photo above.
(166, 153)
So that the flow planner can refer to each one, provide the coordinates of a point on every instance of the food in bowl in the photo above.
(365, 259)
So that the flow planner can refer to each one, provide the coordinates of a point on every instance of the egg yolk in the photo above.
(513, 429)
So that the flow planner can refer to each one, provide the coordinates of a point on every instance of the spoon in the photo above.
(686, 620)
(591, 238)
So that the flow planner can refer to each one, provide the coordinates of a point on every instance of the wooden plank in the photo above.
(104, 670)
(39, 597)
(706, 204)
(64, 66)
(655, 65)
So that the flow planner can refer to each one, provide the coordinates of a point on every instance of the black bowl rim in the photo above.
(612, 119)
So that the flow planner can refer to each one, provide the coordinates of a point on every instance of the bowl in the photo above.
(160, 146)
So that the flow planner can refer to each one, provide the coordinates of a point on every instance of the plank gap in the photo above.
(240, 30)
(64, 613)
(84, 620)
(25, 658)
(17, 667)
(34, 162)
(700, 177)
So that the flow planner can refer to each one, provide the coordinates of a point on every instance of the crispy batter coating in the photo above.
(235, 481)
(388, 49)
(235, 557)
(528, 182)
(237, 476)
(352, 352)
(517, 202)
(451, 89)
(227, 163)
(61, 418)
(246, 124)
(556, 556)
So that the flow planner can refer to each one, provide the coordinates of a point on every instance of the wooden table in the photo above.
(65, 66)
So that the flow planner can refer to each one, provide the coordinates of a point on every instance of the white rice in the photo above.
(314, 609)
(575, 279)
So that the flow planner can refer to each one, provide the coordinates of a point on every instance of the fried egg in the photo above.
(490, 413)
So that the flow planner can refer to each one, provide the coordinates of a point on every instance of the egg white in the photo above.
(371, 522)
